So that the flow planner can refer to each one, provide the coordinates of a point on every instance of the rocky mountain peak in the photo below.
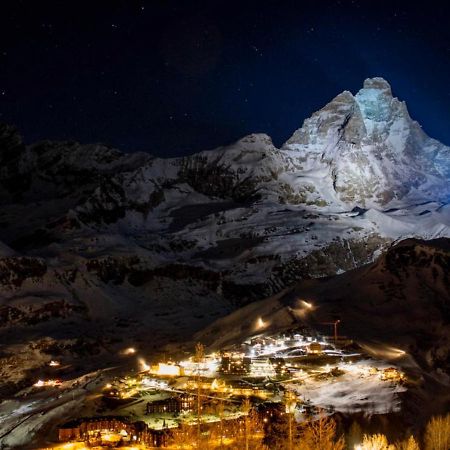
(255, 141)
(371, 149)
(377, 105)
(379, 84)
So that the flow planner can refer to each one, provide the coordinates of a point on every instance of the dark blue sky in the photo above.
(172, 77)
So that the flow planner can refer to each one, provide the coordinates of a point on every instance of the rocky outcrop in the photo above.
(371, 149)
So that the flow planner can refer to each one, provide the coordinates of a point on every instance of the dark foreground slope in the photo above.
(398, 308)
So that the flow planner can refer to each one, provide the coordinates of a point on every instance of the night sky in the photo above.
(172, 77)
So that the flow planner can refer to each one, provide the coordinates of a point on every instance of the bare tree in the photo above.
(408, 444)
(199, 359)
(290, 401)
(218, 429)
(279, 430)
(321, 435)
(183, 437)
(375, 442)
(437, 433)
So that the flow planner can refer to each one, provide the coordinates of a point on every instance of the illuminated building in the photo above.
(392, 374)
(180, 403)
(107, 431)
(262, 368)
(167, 369)
(279, 365)
(235, 364)
(315, 348)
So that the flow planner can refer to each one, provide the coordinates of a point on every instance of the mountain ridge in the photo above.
(172, 244)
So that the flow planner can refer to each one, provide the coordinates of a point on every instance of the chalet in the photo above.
(178, 404)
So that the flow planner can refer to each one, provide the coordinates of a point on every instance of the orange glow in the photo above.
(47, 383)
(143, 366)
(261, 324)
(168, 369)
(128, 351)
(307, 304)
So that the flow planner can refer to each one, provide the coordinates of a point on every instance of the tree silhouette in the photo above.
(320, 435)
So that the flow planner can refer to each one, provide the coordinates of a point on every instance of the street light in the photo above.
(307, 304)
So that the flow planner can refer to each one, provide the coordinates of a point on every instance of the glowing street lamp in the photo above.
(260, 323)
(128, 351)
(307, 304)
(144, 367)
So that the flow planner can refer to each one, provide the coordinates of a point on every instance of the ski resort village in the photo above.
(228, 398)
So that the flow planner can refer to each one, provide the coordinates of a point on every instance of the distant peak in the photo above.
(256, 139)
(379, 84)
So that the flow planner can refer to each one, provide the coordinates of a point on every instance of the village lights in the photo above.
(143, 366)
(260, 368)
(128, 351)
(47, 383)
(261, 324)
(171, 370)
(304, 308)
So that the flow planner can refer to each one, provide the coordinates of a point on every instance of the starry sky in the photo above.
(175, 77)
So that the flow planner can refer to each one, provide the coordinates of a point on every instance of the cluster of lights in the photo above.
(167, 369)
(47, 383)
(154, 384)
(261, 346)
(207, 368)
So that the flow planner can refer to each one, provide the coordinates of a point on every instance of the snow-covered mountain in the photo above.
(89, 233)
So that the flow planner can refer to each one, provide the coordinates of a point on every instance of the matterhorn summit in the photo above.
(371, 151)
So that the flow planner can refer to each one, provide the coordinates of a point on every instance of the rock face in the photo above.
(107, 236)
(372, 151)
